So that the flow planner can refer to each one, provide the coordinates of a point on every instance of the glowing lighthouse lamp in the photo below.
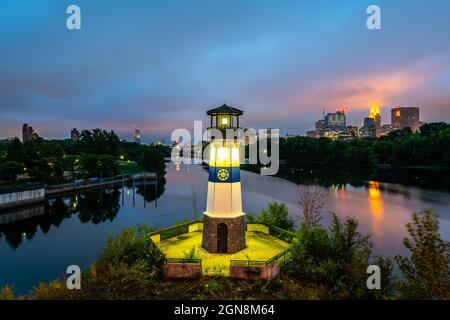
(224, 221)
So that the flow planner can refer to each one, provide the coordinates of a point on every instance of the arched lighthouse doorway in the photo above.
(222, 238)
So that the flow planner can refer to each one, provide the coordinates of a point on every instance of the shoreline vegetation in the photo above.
(97, 153)
(427, 148)
(323, 263)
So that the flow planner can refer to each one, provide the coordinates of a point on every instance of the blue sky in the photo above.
(159, 65)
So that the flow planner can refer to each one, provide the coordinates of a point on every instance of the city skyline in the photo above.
(156, 66)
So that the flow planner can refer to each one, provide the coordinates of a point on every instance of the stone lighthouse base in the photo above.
(223, 235)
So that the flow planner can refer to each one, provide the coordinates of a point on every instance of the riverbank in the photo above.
(32, 195)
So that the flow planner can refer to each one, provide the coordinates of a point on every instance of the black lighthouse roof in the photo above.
(224, 109)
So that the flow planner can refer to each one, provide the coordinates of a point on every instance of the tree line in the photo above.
(429, 147)
(96, 153)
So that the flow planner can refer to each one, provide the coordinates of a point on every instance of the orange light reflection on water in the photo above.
(376, 205)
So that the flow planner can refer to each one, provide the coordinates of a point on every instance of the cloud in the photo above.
(160, 65)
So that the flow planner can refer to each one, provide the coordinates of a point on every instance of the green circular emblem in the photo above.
(223, 174)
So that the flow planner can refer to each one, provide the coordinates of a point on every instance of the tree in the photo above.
(31, 153)
(429, 129)
(277, 215)
(312, 202)
(152, 160)
(42, 169)
(99, 141)
(96, 165)
(9, 170)
(15, 151)
(427, 271)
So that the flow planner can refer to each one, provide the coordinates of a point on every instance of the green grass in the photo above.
(129, 167)
(260, 246)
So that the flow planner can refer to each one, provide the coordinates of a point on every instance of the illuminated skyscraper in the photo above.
(405, 117)
(336, 121)
(376, 116)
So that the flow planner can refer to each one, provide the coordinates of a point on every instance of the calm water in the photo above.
(73, 229)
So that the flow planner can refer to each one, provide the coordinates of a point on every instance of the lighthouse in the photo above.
(223, 220)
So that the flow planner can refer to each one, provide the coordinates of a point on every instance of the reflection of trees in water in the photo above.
(91, 207)
(358, 176)
(435, 179)
(150, 192)
(99, 206)
(54, 212)
(328, 176)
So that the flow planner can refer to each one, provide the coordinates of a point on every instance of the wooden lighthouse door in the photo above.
(222, 238)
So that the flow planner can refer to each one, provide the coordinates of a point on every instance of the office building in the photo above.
(335, 121)
(376, 116)
(330, 126)
(386, 129)
(405, 117)
(28, 133)
(368, 129)
(137, 136)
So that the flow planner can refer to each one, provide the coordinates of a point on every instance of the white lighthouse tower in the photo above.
(224, 221)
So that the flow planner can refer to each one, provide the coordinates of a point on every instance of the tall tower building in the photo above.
(368, 129)
(28, 133)
(405, 117)
(224, 221)
(376, 116)
(137, 136)
(336, 121)
(25, 132)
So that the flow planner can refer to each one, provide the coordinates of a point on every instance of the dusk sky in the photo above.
(159, 65)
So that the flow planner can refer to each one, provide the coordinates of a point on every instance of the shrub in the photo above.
(250, 217)
(7, 293)
(191, 254)
(131, 247)
(337, 257)
(9, 170)
(426, 272)
(277, 215)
